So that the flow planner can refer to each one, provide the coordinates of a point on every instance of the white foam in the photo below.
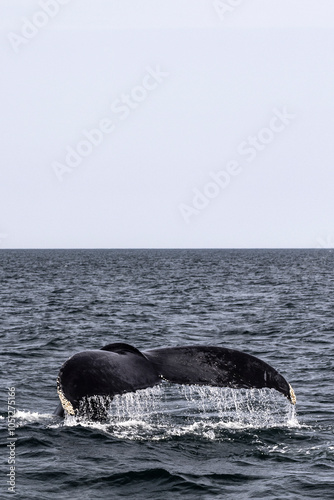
(166, 411)
(23, 417)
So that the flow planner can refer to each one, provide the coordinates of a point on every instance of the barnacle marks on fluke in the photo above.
(66, 404)
(292, 395)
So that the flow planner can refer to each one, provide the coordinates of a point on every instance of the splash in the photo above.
(23, 417)
(168, 410)
(258, 408)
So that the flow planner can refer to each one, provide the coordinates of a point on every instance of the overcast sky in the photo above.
(167, 123)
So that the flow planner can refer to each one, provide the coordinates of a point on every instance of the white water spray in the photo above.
(173, 410)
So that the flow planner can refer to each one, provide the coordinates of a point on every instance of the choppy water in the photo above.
(170, 441)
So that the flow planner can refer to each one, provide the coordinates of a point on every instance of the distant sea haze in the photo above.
(170, 441)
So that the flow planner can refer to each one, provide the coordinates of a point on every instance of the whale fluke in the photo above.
(217, 366)
(119, 368)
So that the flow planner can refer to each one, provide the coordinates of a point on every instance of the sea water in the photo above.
(170, 441)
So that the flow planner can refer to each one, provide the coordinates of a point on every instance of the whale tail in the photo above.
(119, 368)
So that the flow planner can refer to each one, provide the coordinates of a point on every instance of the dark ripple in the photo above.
(158, 479)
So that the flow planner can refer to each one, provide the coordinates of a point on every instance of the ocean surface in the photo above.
(170, 441)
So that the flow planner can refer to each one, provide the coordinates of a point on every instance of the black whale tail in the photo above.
(217, 366)
(119, 368)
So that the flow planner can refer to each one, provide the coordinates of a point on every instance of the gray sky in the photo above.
(167, 123)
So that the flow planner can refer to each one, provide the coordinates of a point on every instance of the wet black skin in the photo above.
(119, 368)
